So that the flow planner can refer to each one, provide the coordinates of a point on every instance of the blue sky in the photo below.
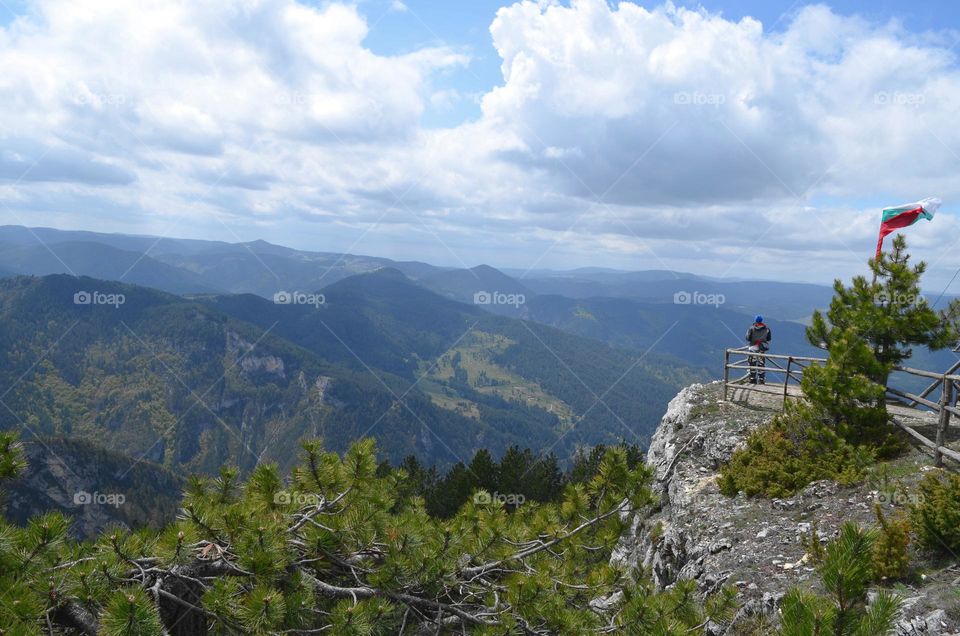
(729, 138)
(466, 24)
(461, 24)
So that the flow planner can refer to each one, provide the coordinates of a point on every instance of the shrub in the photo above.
(656, 533)
(890, 557)
(811, 543)
(352, 558)
(936, 515)
(797, 447)
(845, 572)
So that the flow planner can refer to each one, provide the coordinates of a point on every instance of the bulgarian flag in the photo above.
(903, 215)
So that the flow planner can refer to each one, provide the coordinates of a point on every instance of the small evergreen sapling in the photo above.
(891, 558)
(846, 571)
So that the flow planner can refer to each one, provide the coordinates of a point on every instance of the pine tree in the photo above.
(11, 455)
(586, 462)
(515, 467)
(870, 327)
(455, 489)
(335, 548)
(544, 480)
(845, 389)
(888, 313)
(485, 470)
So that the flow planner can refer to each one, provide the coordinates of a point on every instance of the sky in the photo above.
(749, 139)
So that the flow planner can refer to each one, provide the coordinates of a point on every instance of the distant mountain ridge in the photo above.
(622, 309)
(99, 260)
(210, 266)
(263, 268)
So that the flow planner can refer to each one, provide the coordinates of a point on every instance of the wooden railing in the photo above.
(948, 383)
(787, 371)
(790, 368)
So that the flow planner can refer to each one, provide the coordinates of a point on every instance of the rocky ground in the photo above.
(757, 544)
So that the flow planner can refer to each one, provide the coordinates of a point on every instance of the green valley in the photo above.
(470, 366)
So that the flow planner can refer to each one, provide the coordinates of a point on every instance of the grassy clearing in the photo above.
(473, 357)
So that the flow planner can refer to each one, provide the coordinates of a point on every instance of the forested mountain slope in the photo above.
(195, 384)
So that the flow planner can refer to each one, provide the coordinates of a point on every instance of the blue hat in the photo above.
(758, 318)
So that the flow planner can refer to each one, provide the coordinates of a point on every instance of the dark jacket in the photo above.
(759, 334)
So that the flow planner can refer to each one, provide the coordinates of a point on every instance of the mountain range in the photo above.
(594, 302)
(686, 316)
(170, 356)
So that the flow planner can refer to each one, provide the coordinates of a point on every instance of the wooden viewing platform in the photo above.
(928, 411)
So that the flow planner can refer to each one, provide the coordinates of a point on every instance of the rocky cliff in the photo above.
(94, 487)
(756, 544)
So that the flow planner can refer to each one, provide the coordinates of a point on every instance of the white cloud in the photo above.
(707, 135)
(193, 77)
(708, 139)
(445, 99)
(727, 112)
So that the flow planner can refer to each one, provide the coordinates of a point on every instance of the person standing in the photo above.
(758, 339)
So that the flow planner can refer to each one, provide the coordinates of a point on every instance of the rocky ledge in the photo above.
(756, 544)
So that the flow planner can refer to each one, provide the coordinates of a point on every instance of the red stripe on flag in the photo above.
(901, 220)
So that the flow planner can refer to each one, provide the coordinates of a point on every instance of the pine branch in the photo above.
(479, 570)
(366, 592)
(322, 506)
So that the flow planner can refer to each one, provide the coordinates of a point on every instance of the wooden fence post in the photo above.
(944, 421)
(726, 372)
(786, 383)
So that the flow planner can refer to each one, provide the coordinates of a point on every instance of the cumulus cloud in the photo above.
(703, 136)
(673, 106)
(191, 77)
(637, 136)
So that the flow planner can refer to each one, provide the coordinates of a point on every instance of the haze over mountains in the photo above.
(201, 365)
(192, 266)
(696, 316)
(179, 265)
(196, 383)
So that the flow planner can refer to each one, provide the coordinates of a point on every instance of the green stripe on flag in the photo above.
(889, 213)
